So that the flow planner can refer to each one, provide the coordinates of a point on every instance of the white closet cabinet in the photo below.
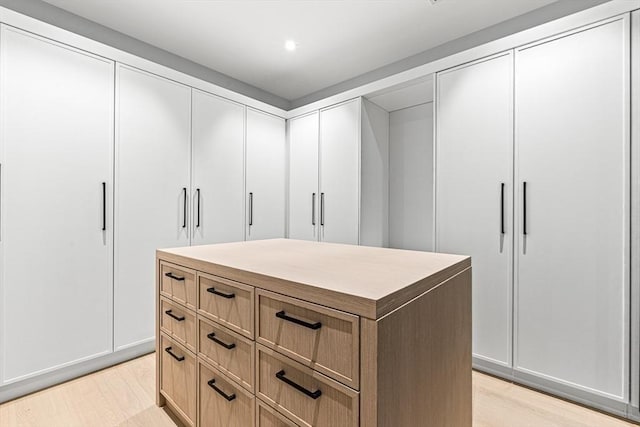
(338, 175)
(56, 233)
(152, 186)
(303, 177)
(265, 189)
(217, 170)
(474, 191)
(572, 262)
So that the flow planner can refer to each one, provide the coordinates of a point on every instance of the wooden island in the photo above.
(294, 333)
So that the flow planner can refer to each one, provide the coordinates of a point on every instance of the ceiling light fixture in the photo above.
(290, 45)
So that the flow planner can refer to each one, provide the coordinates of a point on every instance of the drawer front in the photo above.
(178, 283)
(178, 377)
(303, 395)
(228, 351)
(222, 402)
(228, 303)
(179, 323)
(326, 340)
(269, 417)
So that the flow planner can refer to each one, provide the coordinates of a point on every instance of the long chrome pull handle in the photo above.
(184, 208)
(524, 208)
(198, 208)
(502, 208)
(250, 208)
(313, 209)
(104, 206)
(322, 209)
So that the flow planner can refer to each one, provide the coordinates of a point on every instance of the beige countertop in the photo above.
(362, 280)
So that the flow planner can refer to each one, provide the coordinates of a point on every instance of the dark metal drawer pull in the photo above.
(222, 294)
(174, 277)
(178, 358)
(170, 314)
(312, 394)
(213, 338)
(212, 384)
(282, 315)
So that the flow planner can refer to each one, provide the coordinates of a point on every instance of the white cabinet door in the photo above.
(303, 177)
(152, 184)
(340, 173)
(474, 191)
(572, 97)
(56, 154)
(265, 190)
(217, 170)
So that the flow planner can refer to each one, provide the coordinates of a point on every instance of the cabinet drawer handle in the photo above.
(222, 294)
(178, 358)
(313, 209)
(184, 208)
(213, 338)
(104, 206)
(170, 314)
(502, 208)
(212, 384)
(312, 394)
(174, 277)
(282, 315)
(198, 209)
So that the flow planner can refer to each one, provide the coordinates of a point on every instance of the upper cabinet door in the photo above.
(217, 170)
(303, 178)
(152, 176)
(340, 173)
(56, 152)
(572, 139)
(474, 158)
(265, 190)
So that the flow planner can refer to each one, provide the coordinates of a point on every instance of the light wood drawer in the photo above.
(178, 283)
(178, 377)
(324, 339)
(222, 402)
(179, 323)
(228, 351)
(269, 417)
(307, 397)
(227, 302)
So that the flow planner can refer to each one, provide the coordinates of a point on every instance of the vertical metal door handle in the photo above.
(250, 208)
(198, 208)
(322, 209)
(524, 208)
(502, 208)
(313, 209)
(104, 206)
(184, 208)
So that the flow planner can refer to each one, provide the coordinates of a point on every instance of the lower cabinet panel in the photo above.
(288, 386)
(269, 417)
(222, 402)
(178, 378)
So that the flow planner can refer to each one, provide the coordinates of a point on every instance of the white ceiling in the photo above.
(337, 39)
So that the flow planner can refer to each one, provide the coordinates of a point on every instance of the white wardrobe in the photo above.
(535, 187)
(56, 236)
(338, 174)
(101, 163)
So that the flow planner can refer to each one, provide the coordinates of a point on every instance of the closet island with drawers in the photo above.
(296, 333)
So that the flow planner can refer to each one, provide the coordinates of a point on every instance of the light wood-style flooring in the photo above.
(124, 396)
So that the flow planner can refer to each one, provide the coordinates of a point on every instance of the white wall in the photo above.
(411, 178)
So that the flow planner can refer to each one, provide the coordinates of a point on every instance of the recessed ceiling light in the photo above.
(290, 45)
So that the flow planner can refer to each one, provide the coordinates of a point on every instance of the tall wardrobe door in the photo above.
(572, 142)
(217, 170)
(474, 191)
(303, 178)
(153, 117)
(265, 190)
(56, 241)
(340, 173)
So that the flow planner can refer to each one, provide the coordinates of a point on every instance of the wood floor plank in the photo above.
(124, 396)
